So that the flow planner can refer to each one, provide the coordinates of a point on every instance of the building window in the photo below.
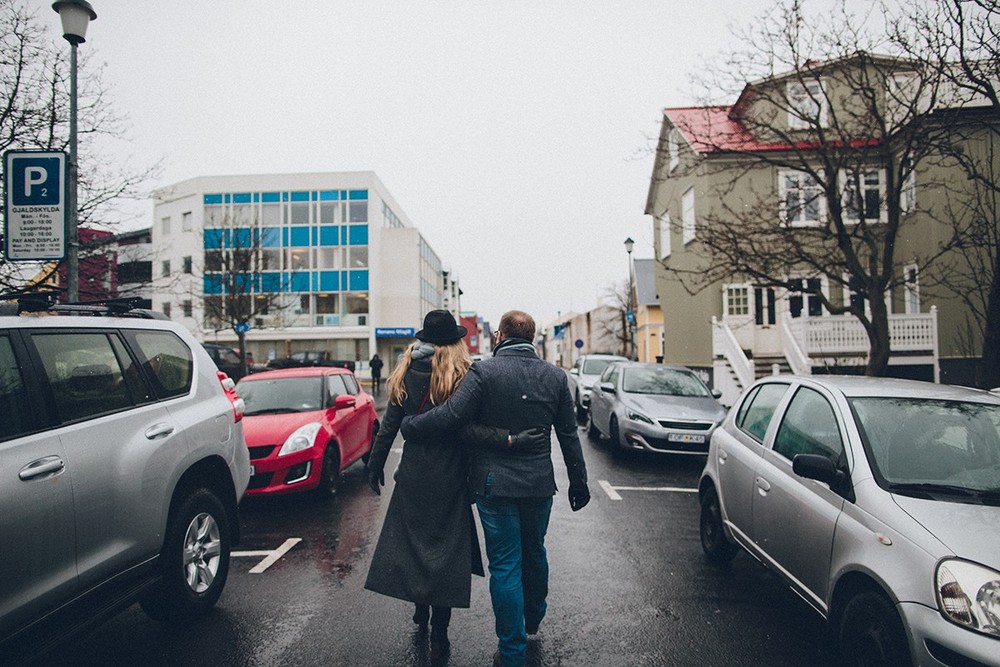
(799, 299)
(908, 193)
(359, 211)
(664, 230)
(186, 308)
(911, 288)
(188, 264)
(736, 300)
(801, 198)
(674, 149)
(807, 105)
(687, 212)
(186, 221)
(165, 272)
(863, 201)
(165, 225)
(165, 308)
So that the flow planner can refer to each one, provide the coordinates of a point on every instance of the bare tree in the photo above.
(34, 114)
(843, 132)
(961, 40)
(616, 296)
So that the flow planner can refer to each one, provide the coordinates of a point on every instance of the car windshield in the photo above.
(275, 396)
(596, 366)
(933, 448)
(664, 382)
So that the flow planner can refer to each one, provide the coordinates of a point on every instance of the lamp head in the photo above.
(629, 244)
(76, 15)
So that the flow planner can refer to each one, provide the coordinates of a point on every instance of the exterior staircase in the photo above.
(764, 366)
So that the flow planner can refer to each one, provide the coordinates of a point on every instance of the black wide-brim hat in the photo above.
(440, 328)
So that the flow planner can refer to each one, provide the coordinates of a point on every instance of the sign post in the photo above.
(35, 207)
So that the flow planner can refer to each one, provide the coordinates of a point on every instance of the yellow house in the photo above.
(648, 314)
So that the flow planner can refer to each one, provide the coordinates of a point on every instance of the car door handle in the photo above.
(160, 430)
(723, 455)
(763, 486)
(49, 466)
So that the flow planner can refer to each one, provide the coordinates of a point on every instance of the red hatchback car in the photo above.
(303, 427)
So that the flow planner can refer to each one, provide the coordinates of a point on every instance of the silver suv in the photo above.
(122, 462)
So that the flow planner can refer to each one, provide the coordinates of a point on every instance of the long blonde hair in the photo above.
(450, 364)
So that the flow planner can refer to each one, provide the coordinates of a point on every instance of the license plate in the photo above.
(684, 437)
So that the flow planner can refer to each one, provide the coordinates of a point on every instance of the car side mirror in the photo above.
(574, 371)
(822, 469)
(344, 401)
(716, 394)
(607, 387)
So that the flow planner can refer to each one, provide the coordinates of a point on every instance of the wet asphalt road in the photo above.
(628, 588)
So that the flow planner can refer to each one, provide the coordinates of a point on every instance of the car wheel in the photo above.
(581, 412)
(871, 632)
(614, 437)
(714, 542)
(329, 476)
(195, 560)
(592, 430)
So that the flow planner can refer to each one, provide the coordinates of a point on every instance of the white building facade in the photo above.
(334, 263)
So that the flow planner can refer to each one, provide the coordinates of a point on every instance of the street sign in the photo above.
(242, 327)
(630, 316)
(35, 207)
(579, 343)
(394, 332)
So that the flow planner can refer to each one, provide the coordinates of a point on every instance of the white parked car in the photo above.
(877, 501)
(585, 372)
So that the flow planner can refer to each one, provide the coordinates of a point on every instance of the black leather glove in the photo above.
(376, 479)
(579, 496)
(532, 438)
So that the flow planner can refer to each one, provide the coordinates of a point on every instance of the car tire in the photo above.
(592, 430)
(195, 560)
(329, 475)
(871, 632)
(717, 547)
(615, 438)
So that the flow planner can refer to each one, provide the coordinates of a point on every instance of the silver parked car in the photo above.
(584, 374)
(122, 462)
(654, 407)
(877, 501)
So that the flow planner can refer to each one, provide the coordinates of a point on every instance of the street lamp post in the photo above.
(629, 244)
(76, 15)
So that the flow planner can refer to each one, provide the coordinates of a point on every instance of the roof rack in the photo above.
(46, 302)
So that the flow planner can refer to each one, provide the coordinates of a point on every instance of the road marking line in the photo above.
(613, 494)
(271, 557)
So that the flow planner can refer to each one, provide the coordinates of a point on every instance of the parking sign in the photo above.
(35, 205)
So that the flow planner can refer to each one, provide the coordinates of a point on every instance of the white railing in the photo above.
(798, 360)
(845, 334)
(725, 342)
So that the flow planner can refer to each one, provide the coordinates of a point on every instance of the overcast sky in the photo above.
(514, 134)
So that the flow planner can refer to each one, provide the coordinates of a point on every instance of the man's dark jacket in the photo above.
(515, 390)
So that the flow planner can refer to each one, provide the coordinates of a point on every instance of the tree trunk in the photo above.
(878, 340)
(242, 338)
(988, 376)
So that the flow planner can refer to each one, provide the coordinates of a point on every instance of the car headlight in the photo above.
(303, 438)
(969, 595)
(637, 416)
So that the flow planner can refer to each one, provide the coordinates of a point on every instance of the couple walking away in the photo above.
(478, 433)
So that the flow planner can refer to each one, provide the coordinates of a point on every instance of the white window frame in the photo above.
(664, 231)
(824, 288)
(783, 190)
(688, 216)
(908, 192)
(805, 99)
(911, 289)
(165, 224)
(673, 149)
(845, 190)
(187, 221)
(729, 289)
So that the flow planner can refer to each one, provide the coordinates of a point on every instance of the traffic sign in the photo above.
(35, 206)
(578, 342)
(242, 327)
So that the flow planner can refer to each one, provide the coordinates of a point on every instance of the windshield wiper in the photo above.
(271, 411)
(926, 489)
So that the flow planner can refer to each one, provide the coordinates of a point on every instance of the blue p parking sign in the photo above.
(35, 205)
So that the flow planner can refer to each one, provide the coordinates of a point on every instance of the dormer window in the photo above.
(807, 106)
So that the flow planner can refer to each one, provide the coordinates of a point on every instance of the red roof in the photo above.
(718, 130)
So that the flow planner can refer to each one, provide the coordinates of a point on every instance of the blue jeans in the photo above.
(514, 529)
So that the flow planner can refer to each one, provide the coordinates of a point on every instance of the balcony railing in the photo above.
(837, 334)
(724, 343)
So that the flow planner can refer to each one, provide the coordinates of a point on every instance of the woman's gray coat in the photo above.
(428, 548)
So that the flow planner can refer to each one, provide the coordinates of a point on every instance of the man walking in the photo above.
(376, 368)
(513, 488)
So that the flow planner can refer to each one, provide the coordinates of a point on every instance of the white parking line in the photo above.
(270, 557)
(613, 494)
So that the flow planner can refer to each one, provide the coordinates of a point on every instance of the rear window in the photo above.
(13, 398)
(757, 410)
(596, 366)
(167, 360)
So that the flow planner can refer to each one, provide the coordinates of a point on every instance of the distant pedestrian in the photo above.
(428, 548)
(376, 367)
(514, 487)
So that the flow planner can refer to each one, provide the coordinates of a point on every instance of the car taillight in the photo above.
(239, 406)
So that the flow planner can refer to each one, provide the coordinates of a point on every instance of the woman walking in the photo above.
(428, 548)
